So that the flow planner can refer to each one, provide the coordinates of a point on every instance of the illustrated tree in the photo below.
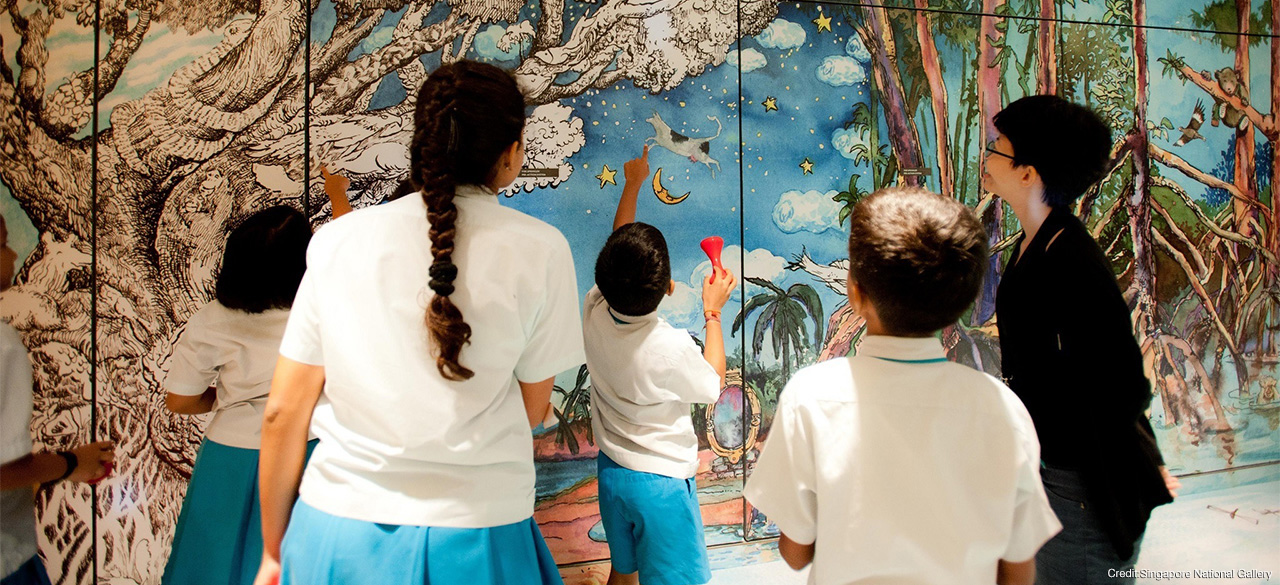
(132, 211)
(783, 313)
(574, 413)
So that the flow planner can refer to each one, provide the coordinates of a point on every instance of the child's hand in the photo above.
(92, 460)
(334, 185)
(716, 294)
(636, 170)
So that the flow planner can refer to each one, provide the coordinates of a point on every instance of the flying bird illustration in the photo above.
(835, 275)
(1192, 130)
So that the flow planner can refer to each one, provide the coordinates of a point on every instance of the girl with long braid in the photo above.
(421, 350)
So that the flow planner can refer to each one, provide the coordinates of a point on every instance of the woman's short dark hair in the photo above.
(265, 258)
(1066, 143)
(633, 270)
(918, 256)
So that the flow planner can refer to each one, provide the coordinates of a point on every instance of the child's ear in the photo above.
(1029, 176)
(671, 288)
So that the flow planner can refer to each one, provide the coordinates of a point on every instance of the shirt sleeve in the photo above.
(692, 379)
(301, 341)
(1034, 522)
(784, 482)
(555, 339)
(196, 361)
(16, 399)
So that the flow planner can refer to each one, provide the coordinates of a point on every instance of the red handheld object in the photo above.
(712, 246)
(106, 472)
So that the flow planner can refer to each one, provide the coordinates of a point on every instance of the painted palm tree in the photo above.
(784, 313)
(574, 413)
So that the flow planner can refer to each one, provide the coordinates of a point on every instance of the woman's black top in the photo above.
(1068, 351)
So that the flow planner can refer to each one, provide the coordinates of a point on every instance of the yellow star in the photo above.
(606, 176)
(823, 21)
(770, 104)
(807, 166)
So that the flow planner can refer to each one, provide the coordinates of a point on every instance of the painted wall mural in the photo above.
(121, 170)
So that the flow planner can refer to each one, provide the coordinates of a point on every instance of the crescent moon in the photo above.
(663, 194)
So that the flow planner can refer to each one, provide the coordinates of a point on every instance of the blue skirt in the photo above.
(219, 535)
(321, 548)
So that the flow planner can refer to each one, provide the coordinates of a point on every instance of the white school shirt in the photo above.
(17, 507)
(904, 473)
(237, 351)
(399, 444)
(644, 375)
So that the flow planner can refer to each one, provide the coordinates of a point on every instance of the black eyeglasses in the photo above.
(991, 148)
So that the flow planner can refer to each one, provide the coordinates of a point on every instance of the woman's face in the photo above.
(999, 174)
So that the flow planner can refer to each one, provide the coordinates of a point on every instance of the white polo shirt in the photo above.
(903, 469)
(399, 444)
(237, 351)
(17, 507)
(644, 375)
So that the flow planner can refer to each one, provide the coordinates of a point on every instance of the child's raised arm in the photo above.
(335, 186)
(634, 173)
(715, 293)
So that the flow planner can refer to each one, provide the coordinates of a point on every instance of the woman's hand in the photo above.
(1170, 482)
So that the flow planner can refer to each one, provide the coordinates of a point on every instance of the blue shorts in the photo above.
(653, 525)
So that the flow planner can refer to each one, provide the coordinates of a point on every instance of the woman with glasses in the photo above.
(1068, 348)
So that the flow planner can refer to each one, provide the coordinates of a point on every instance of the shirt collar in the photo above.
(476, 191)
(909, 349)
(623, 320)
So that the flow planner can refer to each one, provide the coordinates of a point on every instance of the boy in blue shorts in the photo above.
(896, 465)
(645, 374)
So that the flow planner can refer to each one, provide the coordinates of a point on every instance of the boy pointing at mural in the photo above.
(644, 376)
(896, 465)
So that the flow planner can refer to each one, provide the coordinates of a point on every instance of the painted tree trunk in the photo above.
(1138, 204)
(878, 38)
(988, 74)
(938, 96)
(1273, 240)
(1047, 78)
(1245, 171)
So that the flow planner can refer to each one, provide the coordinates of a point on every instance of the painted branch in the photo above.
(1265, 124)
(1118, 202)
(1205, 381)
(938, 96)
(1206, 300)
(467, 38)
(550, 25)
(1213, 226)
(1047, 81)
(347, 34)
(1174, 161)
(252, 70)
(1119, 152)
(32, 56)
(353, 79)
(49, 187)
(70, 107)
(1202, 270)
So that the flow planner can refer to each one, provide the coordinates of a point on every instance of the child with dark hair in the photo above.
(422, 348)
(1067, 345)
(645, 375)
(222, 364)
(896, 465)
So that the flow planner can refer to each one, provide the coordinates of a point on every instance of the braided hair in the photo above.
(467, 115)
